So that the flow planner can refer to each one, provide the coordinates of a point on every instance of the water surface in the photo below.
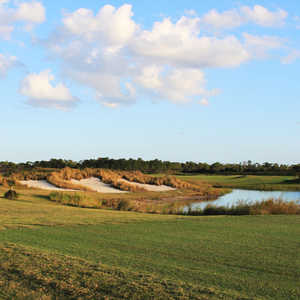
(248, 196)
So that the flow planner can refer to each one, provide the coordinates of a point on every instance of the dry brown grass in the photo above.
(172, 181)
(61, 178)
(266, 207)
(61, 183)
(274, 207)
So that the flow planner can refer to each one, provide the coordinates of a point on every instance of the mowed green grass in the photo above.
(182, 257)
(246, 182)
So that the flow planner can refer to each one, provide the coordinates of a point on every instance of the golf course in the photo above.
(52, 251)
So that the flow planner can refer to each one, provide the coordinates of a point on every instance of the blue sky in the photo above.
(188, 81)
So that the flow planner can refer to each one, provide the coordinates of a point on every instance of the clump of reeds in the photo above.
(266, 207)
(114, 179)
(61, 183)
(9, 181)
(172, 181)
(74, 199)
(83, 200)
(275, 207)
(3, 181)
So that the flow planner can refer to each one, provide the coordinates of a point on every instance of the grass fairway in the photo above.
(280, 183)
(49, 251)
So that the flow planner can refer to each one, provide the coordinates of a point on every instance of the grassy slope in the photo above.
(93, 253)
(30, 274)
(246, 182)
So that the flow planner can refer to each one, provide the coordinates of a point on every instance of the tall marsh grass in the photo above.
(86, 201)
(172, 181)
(266, 207)
(74, 199)
(61, 183)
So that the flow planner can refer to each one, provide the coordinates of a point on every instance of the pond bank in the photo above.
(238, 196)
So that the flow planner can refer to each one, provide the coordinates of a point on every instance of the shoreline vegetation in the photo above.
(267, 207)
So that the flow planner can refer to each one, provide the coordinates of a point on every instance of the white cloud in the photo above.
(112, 55)
(180, 44)
(27, 13)
(226, 20)
(179, 85)
(108, 87)
(41, 92)
(6, 63)
(31, 12)
(264, 17)
(291, 57)
(259, 46)
(114, 27)
(236, 17)
(5, 31)
(204, 102)
(190, 12)
(110, 104)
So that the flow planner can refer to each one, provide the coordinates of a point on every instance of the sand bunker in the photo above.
(97, 185)
(151, 187)
(42, 184)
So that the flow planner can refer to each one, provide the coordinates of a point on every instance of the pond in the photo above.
(248, 196)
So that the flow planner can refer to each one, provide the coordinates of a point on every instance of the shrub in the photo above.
(11, 194)
(124, 205)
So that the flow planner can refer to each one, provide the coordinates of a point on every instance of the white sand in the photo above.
(42, 184)
(97, 185)
(150, 187)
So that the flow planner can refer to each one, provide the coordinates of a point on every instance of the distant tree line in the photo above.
(157, 166)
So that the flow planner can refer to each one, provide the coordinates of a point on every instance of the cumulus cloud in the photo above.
(180, 44)
(225, 20)
(41, 92)
(204, 102)
(179, 85)
(27, 13)
(113, 26)
(264, 17)
(118, 60)
(259, 46)
(7, 63)
(236, 17)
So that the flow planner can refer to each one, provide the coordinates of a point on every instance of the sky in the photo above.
(191, 80)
